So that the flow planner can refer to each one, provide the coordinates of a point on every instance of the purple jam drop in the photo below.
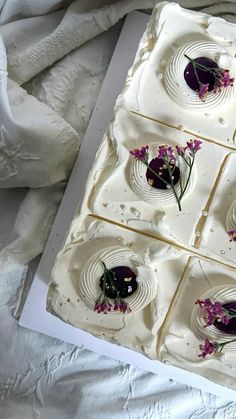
(229, 328)
(157, 183)
(205, 77)
(124, 280)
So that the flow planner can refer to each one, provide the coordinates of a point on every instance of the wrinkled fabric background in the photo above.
(53, 58)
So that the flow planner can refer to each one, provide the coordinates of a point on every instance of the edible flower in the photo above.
(121, 305)
(222, 78)
(103, 304)
(232, 235)
(140, 153)
(170, 157)
(213, 311)
(203, 91)
(194, 145)
(166, 152)
(208, 347)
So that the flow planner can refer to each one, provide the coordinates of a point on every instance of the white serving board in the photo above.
(34, 315)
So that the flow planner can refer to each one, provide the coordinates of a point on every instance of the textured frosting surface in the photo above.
(155, 85)
(222, 216)
(70, 297)
(182, 334)
(122, 218)
(121, 193)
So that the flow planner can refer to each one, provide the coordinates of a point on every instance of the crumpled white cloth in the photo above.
(56, 54)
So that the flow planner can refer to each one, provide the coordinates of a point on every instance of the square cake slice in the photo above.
(119, 190)
(195, 335)
(145, 271)
(162, 83)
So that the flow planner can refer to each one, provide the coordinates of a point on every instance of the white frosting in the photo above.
(74, 285)
(221, 216)
(117, 191)
(182, 332)
(155, 86)
(129, 200)
(177, 87)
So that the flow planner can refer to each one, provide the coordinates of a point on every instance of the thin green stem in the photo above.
(171, 181)
(173, 186)
(232, 313)
(188, 178)
(108, 275)
(104, 281)
(186, 161)
(154, 173)
(202, 66)
(221, 345)
(195, 72)
(213, 70)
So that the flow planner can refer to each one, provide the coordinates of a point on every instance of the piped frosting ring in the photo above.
(89, 289)
(223, 294)
(154, 196)
(177, 87)
(231, 217)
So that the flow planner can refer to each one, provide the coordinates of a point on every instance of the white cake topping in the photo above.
(155, 86)
(75, 279)
(182, 333)
(117, 193)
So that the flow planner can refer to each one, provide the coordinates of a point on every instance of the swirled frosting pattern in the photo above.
(154, 196)
(117, 256)
(177, 87)
(223, 294)
(231, 217)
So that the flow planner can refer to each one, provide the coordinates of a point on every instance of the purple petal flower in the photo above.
(213, 312)
(180, 150)
(232, 235)
(122, 306)
(225, 80)
(140, 153)
(102, 306)
(207, 348)
(166, 152)
(203, 91)
(194, 145)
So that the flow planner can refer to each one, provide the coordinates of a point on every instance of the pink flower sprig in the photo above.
(222, 78)
(121, 305)
(232, 235)
(102, 304)
(203, 91)
(141, 154)
(209, 348)
(214, 311)
(170, 157)
(167, 153)
(192, 147)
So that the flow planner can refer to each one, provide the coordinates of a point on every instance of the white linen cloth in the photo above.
(56, 54)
